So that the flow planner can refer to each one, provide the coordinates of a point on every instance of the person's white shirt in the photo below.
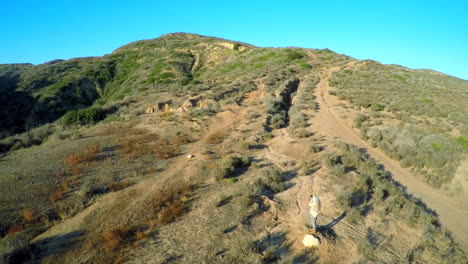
(314, 205)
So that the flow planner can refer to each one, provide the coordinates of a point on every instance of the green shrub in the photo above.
(294, 55)
(15, 248)
(278, 120)
(229, 165)
(309, 167)
(315, 147)
(463, 142)
(359, 119)
(267, 136)
(377, 107)
(82, 117)
(272, 181)
(306, 66)
(298, 120)
(35, 136)
(301, 133)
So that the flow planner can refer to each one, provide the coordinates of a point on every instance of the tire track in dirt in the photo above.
(328, 123)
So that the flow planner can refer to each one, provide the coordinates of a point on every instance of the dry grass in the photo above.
(57, 195)
(86, 156)
(217, 137)
(115, 238)
(116, 186)
(139, 235)
(109, 244)
(58, 175)
(166, 149)
(15, 229)
(137, 142)
(167, 205)
(143, 144)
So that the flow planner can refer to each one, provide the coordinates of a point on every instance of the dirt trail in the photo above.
(449, 209)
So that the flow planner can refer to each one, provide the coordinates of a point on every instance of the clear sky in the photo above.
(415, 34)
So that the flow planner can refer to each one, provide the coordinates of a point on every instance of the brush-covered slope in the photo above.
(194, 149)
(417, 117)
(174, 65)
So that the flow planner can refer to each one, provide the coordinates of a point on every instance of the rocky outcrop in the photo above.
(196, 102)
(310, 241)
(159, 107)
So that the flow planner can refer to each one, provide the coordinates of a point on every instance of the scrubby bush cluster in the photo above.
(230, 166)
(250, 203)
(82, 117)
(15, 248)
(304, 100)
(434, 155)
(272, 248)
(33, 137)
(277, 112)
(429, 106)
(396, 89)
(169, 204)
(372, 190)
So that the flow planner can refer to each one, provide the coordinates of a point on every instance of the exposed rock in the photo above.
(311, 241)
(159, 107)
(196, 102)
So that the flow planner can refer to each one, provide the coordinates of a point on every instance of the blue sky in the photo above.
(415, 34)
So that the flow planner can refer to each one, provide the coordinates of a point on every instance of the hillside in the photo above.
(95, 168)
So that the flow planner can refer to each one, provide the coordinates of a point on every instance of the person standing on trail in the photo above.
(314, 210)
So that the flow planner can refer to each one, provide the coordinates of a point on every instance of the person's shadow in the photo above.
(327, 230)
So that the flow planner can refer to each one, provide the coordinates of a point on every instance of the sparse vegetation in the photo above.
(231, 166)
(371, 187)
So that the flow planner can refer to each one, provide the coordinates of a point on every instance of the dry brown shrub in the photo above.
(27, 215)
(14, 229)
(140, 142)
(88, 155)
(170, 212)
(71, 160)
(139, 235)
(62, 212)
(45, 220)
(115, 238)
(58, 175)
(116, 186)
(169, 204)
(76, 171)
(217, 137)
(93, 149)
(65, 185)
(137, 142)
(166, 152)
(57, 195)
(75, 179)
(120, 260)
(182, 139)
